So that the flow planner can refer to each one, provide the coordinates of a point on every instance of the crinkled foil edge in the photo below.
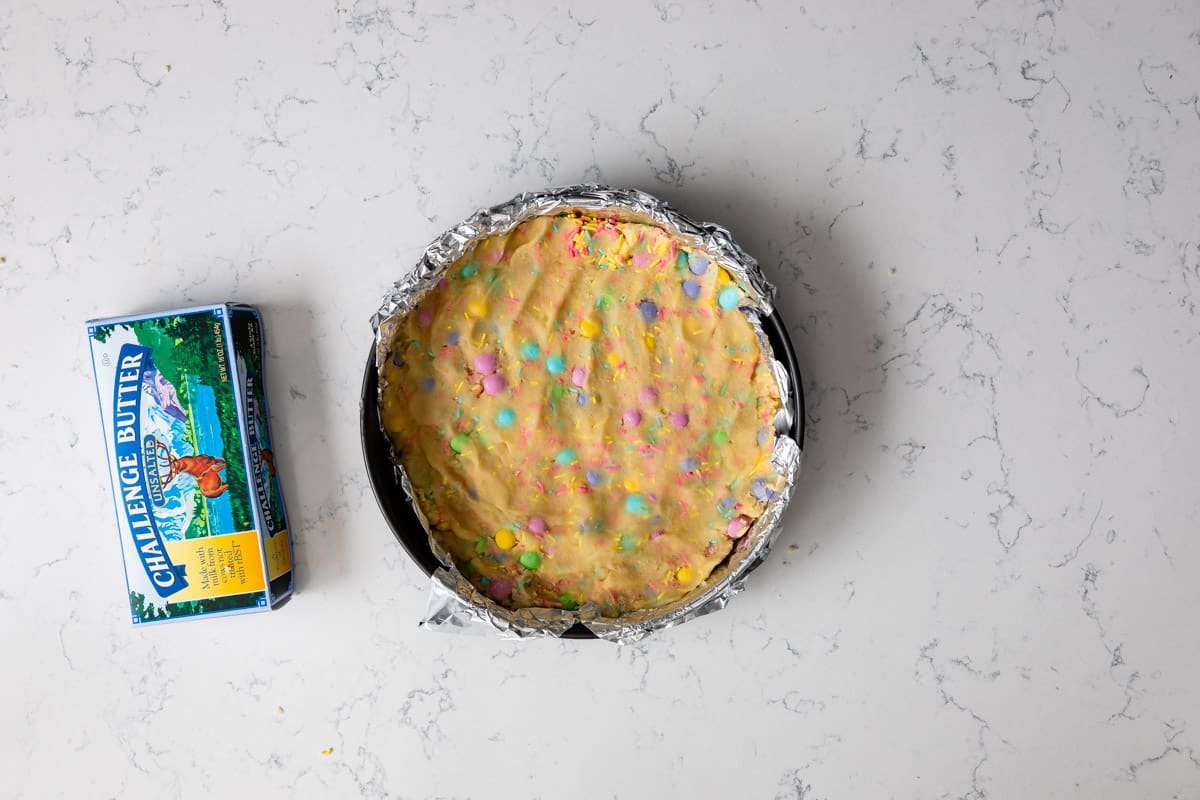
(454, 603)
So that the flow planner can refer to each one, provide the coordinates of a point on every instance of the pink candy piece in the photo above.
(425, 316)
(537, 525)
(657, 533)
(485, 363)
(632, 418)
(500, 589)
(494, 384)
(647, 395)
(679, 419)
(578, 376)
(738, 527)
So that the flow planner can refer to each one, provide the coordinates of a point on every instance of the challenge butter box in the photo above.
(199, 508)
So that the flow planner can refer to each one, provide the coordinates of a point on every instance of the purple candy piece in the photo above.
(581, 399)
(537, 525)
(647, 395)
(632, 418)
(485, 363)
(453, 337)
(698, 264)
(428, 384)
(689, 464)
(578, 376)
(691, 288)
(679, 419)
(500, 589)
(649, 310)
(593, 477)
(494, 384)
(758, 488)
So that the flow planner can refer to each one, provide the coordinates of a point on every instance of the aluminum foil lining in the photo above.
(454, 603)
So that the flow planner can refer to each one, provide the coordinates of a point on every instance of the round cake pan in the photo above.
(403, 520)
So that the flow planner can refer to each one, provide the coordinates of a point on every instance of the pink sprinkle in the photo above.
(500, 588)
(647, 395)
(578, 376)
(738, 527)
(485, 363)
(679, 419)
(657, 533)
(425, 316)
(537, 525)
(494, 384)
(632, 418)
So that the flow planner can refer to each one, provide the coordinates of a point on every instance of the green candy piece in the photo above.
(720, 437)
(481, 546)
(459, 442)
(567, 603)
(557, 391)
(530, 559)
(628, 542)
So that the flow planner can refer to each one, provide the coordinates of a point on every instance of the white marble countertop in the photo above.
(983, 221)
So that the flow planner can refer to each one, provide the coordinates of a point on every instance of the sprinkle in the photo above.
(537, 525)
(647, 395)
(555, 364)
(500, 589)
(567, 602)
(588, 328)
(728, 298)
(649, 310)
(566, 456)
(530, 350)
(578, 376)
(530, 559)
(649, 340)
(485, 363)
(505, 417)
(691, 288)
(494, 384)
(636, 504)
(477, 309)
(683, 574)
(698, 264)
(593, 477)
(467, 271)
(425, 316)
(679, 419)
(505, 539)
(737, 527)
(459, 442)
(657, 533)
(720, 437)
(632, 418)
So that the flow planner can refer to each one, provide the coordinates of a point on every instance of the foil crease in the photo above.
(454, 603)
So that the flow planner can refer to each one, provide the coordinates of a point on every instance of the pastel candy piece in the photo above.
(737, 527)
(505, 417)
(530, 350)
(632, 418)
(537, 525)
(500, 589)
(459, 442)
(691, 288)
(485, 363)
(565, 456)
(397, 359)
(683, 574)
(594, 477)
(581, 399)
(588, 328)
(477, 309)
(453, 337)
(568, 602)
(428, 384)
(698, 264)
(760, 490)
(636, 504)
(689, 464)
(720, 437)
(494, 384)
(727, 502)
(627, 541)
(555, 364)
(761, 438)
(649, 310)
(530, 560)
(578, 376)
(679, 419)
(505, 539)
(728, 297)
(647, 395)
(467, 271)
(425, 316)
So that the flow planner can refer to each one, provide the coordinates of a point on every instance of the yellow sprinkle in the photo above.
(477, 309)
(327, 751)
(588, 327)
(505, 539)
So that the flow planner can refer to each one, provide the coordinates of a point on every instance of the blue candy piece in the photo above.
(636, 504)
(505, 417)
(555, 364)
(649, 310)
(530, 350)
(760, 490)
(691, 288)
(593, 477)
(428, 384)
(565, 456)
(728, 298)
(689, 464)
(453, 337)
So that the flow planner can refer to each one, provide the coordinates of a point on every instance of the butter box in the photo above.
(199, 508)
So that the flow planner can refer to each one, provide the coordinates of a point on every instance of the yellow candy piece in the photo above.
(505, 539)
(612, 359)
(683, 574)
(588, 327)
(649, 340)
(630, 485)
(477, 309)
